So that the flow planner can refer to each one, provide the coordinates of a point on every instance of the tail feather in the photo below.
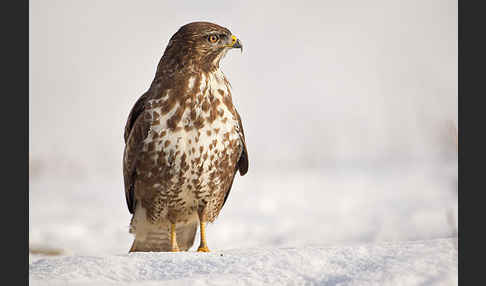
(186, 234)
(150, 237)
(157, 240)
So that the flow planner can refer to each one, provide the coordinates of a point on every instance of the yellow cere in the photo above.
(233, 40)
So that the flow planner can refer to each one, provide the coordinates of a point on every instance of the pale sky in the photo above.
(320, 83)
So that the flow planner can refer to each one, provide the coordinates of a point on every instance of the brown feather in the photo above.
(243, 161)
(242, 164)
(134, 143)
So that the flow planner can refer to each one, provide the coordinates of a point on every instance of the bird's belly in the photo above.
(193, 168)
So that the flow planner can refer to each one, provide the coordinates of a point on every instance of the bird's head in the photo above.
(200, 45)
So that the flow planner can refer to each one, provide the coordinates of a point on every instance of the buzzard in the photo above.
(184, 142)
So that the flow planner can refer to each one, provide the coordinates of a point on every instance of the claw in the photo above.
(203, 249)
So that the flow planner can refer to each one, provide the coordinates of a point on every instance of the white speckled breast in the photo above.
(198, 150)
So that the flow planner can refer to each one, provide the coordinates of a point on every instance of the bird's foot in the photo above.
(203, 249)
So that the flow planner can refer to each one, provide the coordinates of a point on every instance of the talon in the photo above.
(203, 249)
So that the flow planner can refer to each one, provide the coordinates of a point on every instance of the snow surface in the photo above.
(386, 225)
(430, 262)
(264, 209)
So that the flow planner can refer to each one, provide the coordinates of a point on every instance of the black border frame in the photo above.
(15, 135)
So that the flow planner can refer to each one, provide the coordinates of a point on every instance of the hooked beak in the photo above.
(236, 43)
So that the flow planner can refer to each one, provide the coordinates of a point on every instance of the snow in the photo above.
(387, 225)
(428, 262)
(264, 209)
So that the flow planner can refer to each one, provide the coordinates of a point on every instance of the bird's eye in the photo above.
(213, 38)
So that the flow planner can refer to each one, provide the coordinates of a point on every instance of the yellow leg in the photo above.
(203, 247)
(132, 249)
(173, 238)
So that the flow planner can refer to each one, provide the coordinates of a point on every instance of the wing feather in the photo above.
(136, 130)
(137, 109)
(242, 164)
(243, 161)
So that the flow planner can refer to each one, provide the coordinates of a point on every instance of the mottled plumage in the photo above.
(184, 142)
